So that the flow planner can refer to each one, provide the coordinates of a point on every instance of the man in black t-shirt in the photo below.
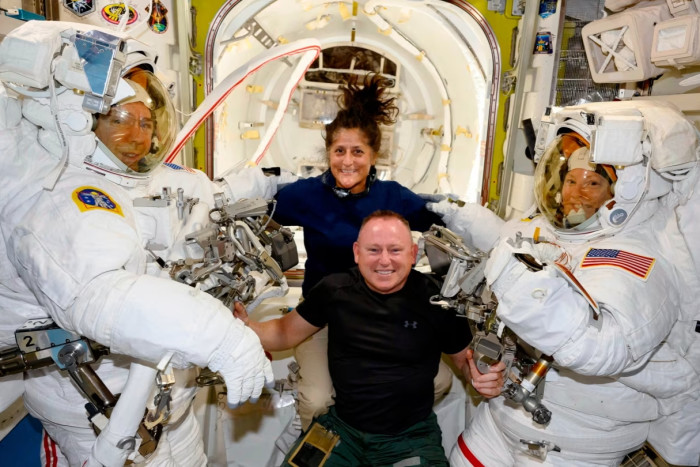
(384, 346)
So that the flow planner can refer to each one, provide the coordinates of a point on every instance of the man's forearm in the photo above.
(271, 334)
(460, 358)
(282, 333)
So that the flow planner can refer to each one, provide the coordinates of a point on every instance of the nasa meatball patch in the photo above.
(88, 198)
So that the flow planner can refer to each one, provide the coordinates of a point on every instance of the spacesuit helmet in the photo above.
(94, 97)
(137, 132)
(632, 152)
(569, 187)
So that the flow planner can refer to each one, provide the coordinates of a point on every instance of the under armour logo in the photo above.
(414, 324)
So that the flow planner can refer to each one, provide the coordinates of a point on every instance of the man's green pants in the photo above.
(419, 445)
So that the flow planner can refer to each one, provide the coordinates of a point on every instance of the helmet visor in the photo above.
(570, 189)
(140, 129)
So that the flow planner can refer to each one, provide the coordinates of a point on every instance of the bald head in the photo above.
(385, 252)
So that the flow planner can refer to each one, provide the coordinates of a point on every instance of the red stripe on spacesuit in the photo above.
(50, 451)
(54, 455)
(45, 445)
(467, 453)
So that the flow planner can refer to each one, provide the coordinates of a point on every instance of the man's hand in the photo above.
(240, 312)
(489, 385)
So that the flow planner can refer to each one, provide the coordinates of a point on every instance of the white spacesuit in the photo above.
(79, 245)
(618, 369)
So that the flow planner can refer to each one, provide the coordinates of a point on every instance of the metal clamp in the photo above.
(539, 449)
(165, 380)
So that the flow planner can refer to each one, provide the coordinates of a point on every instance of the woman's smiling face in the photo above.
(351, 159)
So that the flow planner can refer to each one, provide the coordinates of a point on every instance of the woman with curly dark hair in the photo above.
(331, 208)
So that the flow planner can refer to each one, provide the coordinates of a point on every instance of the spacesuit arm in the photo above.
(149, 318)
(252, 182)
(85, 268)
(543, 310)
(10, 110)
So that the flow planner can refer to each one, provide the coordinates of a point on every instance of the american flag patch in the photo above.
(177, 167)
(638, 265)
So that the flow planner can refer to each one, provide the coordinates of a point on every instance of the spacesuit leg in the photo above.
(677, 436)
(180, 445)
(284, 443)
(482, 443)
(75, 442)
(315, 387)
(485, 443)
(50, 454)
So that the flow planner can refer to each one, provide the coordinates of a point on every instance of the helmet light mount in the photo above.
(617, 140)
(91, 63)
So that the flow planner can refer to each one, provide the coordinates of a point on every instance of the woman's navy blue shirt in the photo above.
(331, 224)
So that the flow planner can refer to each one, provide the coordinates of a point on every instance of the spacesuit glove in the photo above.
(242, 363)
(253, 182)
(441, 203)
(432, 197)
(478, 226)
(502, 268)
(545, 253)
(280, 176)
(437, 197)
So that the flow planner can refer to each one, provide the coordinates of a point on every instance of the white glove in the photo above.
(437, 197)
(252, 182)
(544, 252)
(281, 176)
(477, 225)
(241, 361)
(502, 260)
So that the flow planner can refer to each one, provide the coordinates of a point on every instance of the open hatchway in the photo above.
(443, 63)
(441, 57)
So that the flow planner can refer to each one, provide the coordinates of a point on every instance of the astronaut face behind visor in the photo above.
(138, 131)
(127, 131)
(569, 188)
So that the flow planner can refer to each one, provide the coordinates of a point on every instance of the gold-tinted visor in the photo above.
(569, 188)
(140, 129)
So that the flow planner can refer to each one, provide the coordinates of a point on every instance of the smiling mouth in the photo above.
(576, 206)
(131, 155)
(384, 273)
